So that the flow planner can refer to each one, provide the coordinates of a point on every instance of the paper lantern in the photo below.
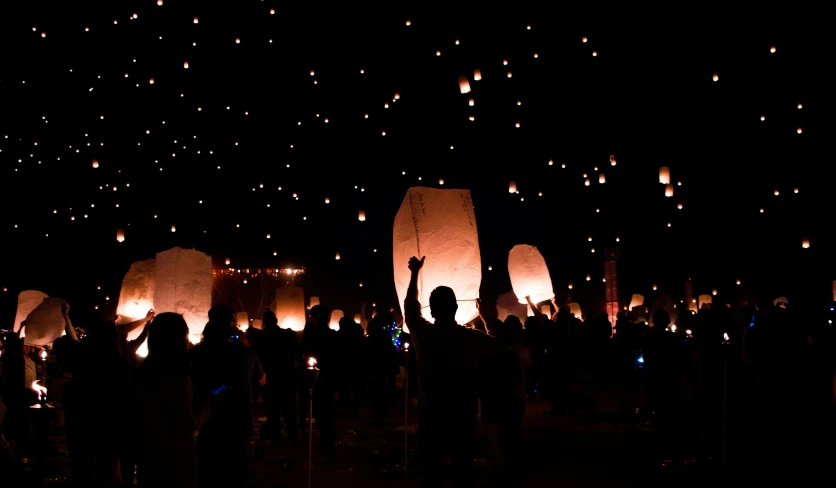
(336, 315)
(601, 178)
(833, 290)
(477, 75)
(184, 285)
(575, 309)
(612, 159)
(136, 297)
(805, 243)
(779, 301)
(508, 304)
(27, 301)
(337, 257)
(704, 300)
(664, 175)
(290, 307)
(358, 319)
(512, 187)
(313, 301)
(464, 84)
(45, 323)
(546, 310)
(636, 301)
(529, 274)
(95, 163)
(471, 102)
(361, 216)
(441, 225)
(668, 190)
(242, 319)
(258, 324)
(120, 235)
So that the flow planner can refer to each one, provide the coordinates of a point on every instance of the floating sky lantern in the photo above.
(772, 49)
(602, 179)
(805, 243)
(586, 182)
(290, 307)
(512, 187)
(612, 159)
(337, 257)
(477, 75)
(361, 215)
(186, 64)
(95, 163)
(529, 274)
(715, 77)
(464, 85)
(120, 235)
(173, 229)
(183, 284)
(664, 175)
(669, 190)
(470, 102)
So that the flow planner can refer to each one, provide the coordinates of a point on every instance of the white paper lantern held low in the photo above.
(529, 274)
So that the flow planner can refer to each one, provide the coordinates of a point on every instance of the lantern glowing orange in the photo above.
(464, 84)
(601, 178)
(95, 163)
(120, 235)
(136, 297)
(805, 243)
(184, 285)
(477, 75)
(290, 307)
(664, 175)
(529, 274)
(361, 216)
(334, 323)
(512, 187)
(612, 159)
(668, 190)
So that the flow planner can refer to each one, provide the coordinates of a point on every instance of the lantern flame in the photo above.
(39, 389)
(311, 362)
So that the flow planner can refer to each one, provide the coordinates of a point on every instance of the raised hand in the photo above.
(415, 264)
(150, 314)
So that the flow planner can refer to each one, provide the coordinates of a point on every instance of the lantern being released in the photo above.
(136, 296)
(529, 274)
(184, 285)
(441, 225)
(27, 301)
(290, 307)
(45, 323)
(636, 301)
(705, 301)
(508, 304)
(464, 84)
(242, 320)
(664, 175)
(313, 301)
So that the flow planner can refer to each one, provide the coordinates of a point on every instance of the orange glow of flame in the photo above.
(311, 363)
(38, 388)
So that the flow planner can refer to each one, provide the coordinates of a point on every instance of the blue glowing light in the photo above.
(641, 360)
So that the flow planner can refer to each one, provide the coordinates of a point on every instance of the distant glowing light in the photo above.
(715, 77)
(772, 49)
(583, 39)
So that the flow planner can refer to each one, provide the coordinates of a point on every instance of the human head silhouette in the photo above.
(443, 304)
(269, 319)
(321, 315)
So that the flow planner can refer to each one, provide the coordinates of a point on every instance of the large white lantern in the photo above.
(664, 175)
(45, 323)
(290, 307)
(184, 285)
(636, 301)
(136, 297)
(313, 301)
(29, 300)
(529, 274)
(242, 320)
(704, 300)
(575, 309)
(441, 225)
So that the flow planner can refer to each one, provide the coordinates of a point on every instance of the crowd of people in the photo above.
(183, 415)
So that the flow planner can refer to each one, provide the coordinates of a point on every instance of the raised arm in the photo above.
(537, 313)
(134, 344)
(412, 307)
(488, 314)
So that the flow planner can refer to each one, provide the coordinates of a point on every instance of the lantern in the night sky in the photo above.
(470, 102)
(715, 77)
(612, 159)
(186, 64)
(358, 319)
(290, 307)
(120, 235)
(575, 309)
(173, 229)
(636, 301)
(668, 190)
(227, 261)
(586, 182)
(184, 285)
(705, 300)
(361, 216)
(664, 175)
(601, 178)
(805, 243)
(337, 257)
(529, 274)
(44, 323)
(464, 84)
(313, 301)
(477, 75)
(242, 320)
(95, 163)
(27, 301)
(136, 297)
(441, 226)
(512, 187)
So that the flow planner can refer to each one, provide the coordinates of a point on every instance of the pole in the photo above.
(406, 412)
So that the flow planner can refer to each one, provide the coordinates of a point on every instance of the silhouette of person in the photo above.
(448, 373)
(320, 342)
(281, 355)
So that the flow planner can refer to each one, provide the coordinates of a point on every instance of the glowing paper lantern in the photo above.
(704, 300)
(242, 319)
(477, 75)
(120, 235)
(508, 304)
(636, 301)
(184, 285)
(361, 216)
(313, 301)
(136, 297)
(336, 315)
(779, 301)
(358, 319)
(512, 187)
(27, 301)
(258, 324)
(546, 310)
(664, 175)
(45, 323)
(290, 307)
(464, 84)
(441, 225)
(668, 190)
(529, 274)
(601, 178)
(612, 159)
(805, 243)
(95, 163)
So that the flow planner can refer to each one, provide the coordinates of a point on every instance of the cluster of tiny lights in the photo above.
(133, 135)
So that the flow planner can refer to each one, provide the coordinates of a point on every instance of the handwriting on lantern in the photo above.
(467, 206)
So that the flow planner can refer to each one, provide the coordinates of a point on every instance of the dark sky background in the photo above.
(647, 97)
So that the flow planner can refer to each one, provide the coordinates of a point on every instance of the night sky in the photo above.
(280, 100)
